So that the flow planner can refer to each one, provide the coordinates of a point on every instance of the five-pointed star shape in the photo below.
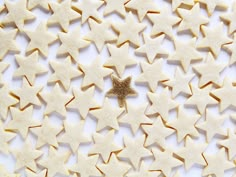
(28, 94)
(192, 19)
(134, 150)
(46, 133)
(226, 94)
(229, 144)
(89, 9)
(40, 38)
(40, 174)
(54, 163)
(229, 17)
(115, 6)
(4, 172)
(161, 103)
(231, 48)
(3, 67)
(184, 124)
(8, 42)
(56, 100)
(64, 72)
(163, 22)
(144, 172)
(107, 115)
(180, 83)
(201, 98)
(120, 58)
(212, 125)
(38, 3)
(152, 74)
(17, 13)
(7, 101)
(90, 78)
(177, 3)
(86, 165)
(22, 121)
(214, 38)
(142, 8)
(209, 71)
(26, 156)
(6, 136)
(71, 43)
(157, 133)
(131, 35)
(212, 4)
(135, 116)
(152, 47)
(192, 153)
(100, 34)
(74, 135)
(29, 67)
(164, 161)
(217, 163)
(103, 145)
(185, 52)
(62, 14)
(114, 167)
(81, 102)
(121, 89)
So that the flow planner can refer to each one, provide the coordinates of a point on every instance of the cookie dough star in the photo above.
(164, 161)
(152, 74)
(54, 163)
(73, 135)
(64, 72)
(40, 38)
(121, 89)
(163, 22)
(129, 30)
(94, 79)
(26, 156)
(211, 5)
(142, 8)
(107, 115)
(100, 34)
(62, 14)
(229, 17)
(8, 101)
(226, 91)
(177, 3)
(103, 145)
(17, 13)
(27, 94)
(217, 163)
(81, 102)
(56, 100)
(180, 83)
(3, 67)
(86, 165)
(192, 153)
(184, 124)
(89, 9)
(71, 43)
(185, 52)
(161, 104)
(157, 133)
(212, 125)
(8, 42)
(120, 58)
(29, 67)
(134, 150)
(115, 6)
(214, 38)
(32, 174)
(201, 98)
(6, 137)
(22, 121)
(152, 47)
(114, 167)
(192, 19)
(231, 49)
(38, 3)
(135, 116)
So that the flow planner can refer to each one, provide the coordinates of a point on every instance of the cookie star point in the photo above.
(115, 6)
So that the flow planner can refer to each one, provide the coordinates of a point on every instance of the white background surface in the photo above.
(86, 56)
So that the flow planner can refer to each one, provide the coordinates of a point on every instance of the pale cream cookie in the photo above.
(177, 3)
(38, 3)
(115, 6)
(231, 49)
(211, 5)
(229, 17)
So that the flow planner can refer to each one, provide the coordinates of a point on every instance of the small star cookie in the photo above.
(211, 5)
(115, 6)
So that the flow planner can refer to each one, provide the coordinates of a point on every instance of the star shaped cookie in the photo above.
(121, 89)
(115, 6)
(213, 4)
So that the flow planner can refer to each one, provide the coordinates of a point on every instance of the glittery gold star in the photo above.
(121, 89)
